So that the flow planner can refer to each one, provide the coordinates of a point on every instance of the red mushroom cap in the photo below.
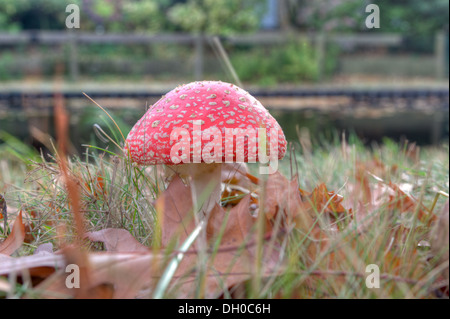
(218, 107)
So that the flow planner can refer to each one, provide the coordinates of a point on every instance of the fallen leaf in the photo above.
(116, 239)
(38, 265)
(237, 174)
(234, 260)
(238, 224)
(362, 190)
(115, 275)
(406, 203)
(174, 212)
(15, 238)
(283, 200)
(44, 248)
(325, 201)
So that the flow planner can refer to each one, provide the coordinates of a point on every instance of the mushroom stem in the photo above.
(204, 180)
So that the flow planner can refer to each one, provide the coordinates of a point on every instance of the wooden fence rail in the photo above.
(60, 37)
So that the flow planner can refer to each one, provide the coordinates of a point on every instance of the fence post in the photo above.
(73, 56)
(199, 53)
(440, 55)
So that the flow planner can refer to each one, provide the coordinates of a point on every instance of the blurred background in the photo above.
(315, 64)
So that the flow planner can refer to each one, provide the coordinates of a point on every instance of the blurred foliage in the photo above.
(415, 17)
(217, 16)
(294, 62)
(404, 16)
(409, 17)
(327, 15)
(11, 146)
(98, 15)
(209, 16)
(126, 16)
(416, 20)
(7, 70)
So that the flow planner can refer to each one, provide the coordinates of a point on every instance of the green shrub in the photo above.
(294, 62)
(218, 17)
(7, 70)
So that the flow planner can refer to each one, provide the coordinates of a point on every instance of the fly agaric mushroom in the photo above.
(196, 112)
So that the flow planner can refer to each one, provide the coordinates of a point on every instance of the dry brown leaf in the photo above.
(44, 248)
(283, 197)
(362, 190)
(115, 275)
(325, 201)
(15, 238)
(36, 264)
(238, 227)
(234, 262)
(406, 203)
(368, 197)
(117, 239)
(174, 211)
